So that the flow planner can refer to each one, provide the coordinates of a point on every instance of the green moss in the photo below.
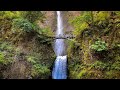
(47, 31)
(85, 72)
(81, 74)
(9, 14)
(102, 15)
(31, 59)
(116, 65)
(2, 58)
(112, 74)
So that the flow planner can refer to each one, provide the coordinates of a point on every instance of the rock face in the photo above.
(67, 15)
(50, 20)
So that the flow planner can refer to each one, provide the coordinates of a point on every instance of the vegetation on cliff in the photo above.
(98, 37)
(23, 46)
(26, 52)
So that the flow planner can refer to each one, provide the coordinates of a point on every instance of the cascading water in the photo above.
(60, 65)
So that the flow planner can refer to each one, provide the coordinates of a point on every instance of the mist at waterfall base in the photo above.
(60, 65)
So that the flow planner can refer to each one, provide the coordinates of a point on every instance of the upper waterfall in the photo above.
(59, 43)
(59, 24)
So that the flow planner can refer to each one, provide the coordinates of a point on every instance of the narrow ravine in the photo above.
(60, 65)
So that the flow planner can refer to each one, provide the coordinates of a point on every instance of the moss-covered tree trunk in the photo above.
(86, 53)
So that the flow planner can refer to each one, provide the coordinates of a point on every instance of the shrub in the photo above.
(9, 14)
(6, 53)
(32, 16)
(40, 71)
(31, 59)
(22, 24)
(116, 65)
(99, 46)
(2, 58)
(82, 73)
(6, 46)
(112, 74)
(99, 65)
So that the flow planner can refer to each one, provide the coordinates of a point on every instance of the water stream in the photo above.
(60, 65)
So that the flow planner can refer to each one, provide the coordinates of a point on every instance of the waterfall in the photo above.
(60, 65)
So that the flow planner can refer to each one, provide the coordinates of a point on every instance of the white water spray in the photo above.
(60, 67)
